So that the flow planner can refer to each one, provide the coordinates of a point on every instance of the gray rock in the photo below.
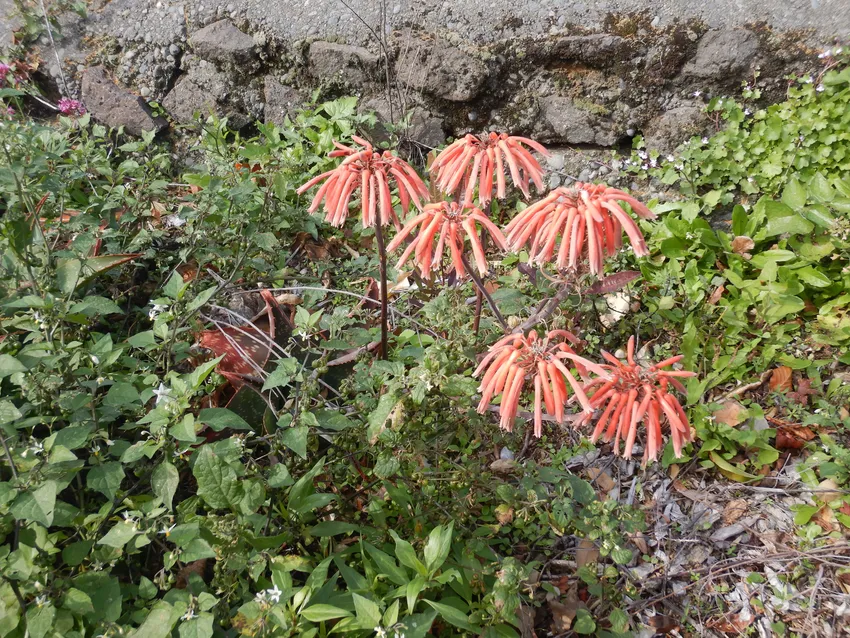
(223, 43)
(281, 101)
(353, 65)
(206, 90)
(422, 127)
(10, 22)
(596, 49)
(668, 130)
(441, 70)
(116, 107)
(572, 124)
(723, 53)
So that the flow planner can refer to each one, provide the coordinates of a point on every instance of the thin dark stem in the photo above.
(382, 258)
(480, 284)
(479, 298)
(8, 456)
(544, 313)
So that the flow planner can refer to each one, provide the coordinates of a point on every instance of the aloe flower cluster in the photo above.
(634, 394)
(371, 172)
(479, 161)
(450, 224)
(515, 358)
(581, 220)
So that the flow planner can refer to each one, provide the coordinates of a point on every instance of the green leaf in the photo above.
(36, 505)
(76, 553)
(94, 305)
(419, 625)
(184, 429)
(331, 420)
(40, 619)
(283, 374)
(106, 478)
(196, 549)
(217, 482)
(794, 195)
(332, 528)
(414, 588)
(158, 623)
(200, 627)
(142, 339)
(379, 416)
(119, 535)
(279, 476)
(9, 365)
(221, 418)
(201, 299)
(386, 565)
(322, 612)
(812, 277)
(793, 225)
(174, 287)
(803, 513)
(122, 394)
(368, 612)
(619, 620)
(164, 481)
(584, 623)
(407, 555)
(819, 215)
(453, 616)
(68, 273)
(73, 437)
(78, 602)
(438, 546)
(295, 438)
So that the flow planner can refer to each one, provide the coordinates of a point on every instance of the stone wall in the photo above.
(566, 74)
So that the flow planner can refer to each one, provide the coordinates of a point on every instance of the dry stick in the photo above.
(544, 313)
(480, 284)
(382, 258)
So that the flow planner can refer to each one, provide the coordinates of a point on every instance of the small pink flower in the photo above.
(67, 106)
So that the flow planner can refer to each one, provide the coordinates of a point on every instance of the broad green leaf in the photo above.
(175, 286)
(94, 305)
(367, 611)
(158, 623)
(9, 365)
(453, 616)
(164, 481)
(419, 625)
(387, 565)
(407, 555)
(803, 513)
(414, 588)
(73, 437)
(200, 627)
(221, 418)
(438, 546)
(379, 416)
(217, 482)
(106, 478)
(201, 299)
(584, 623)
(729, 470)
(279, 476)
(68, 273)
(119, 535)
(77, 602)
(283, 374)
(794, 195)
(122, 395)
(36, 505)
(40, 619)
(812, 277)
(184, 429)
(322, 612)
(295, 438)
(793, 224)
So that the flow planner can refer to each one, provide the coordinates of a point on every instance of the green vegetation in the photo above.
(145, 489)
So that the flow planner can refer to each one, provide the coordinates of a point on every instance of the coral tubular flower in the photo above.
(371, 172)
(448, 223)
(476, 161)
(515, 358)
(585, 218)
(635, 394)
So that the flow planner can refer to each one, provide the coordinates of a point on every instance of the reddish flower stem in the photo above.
(480, 285)
(382, 258)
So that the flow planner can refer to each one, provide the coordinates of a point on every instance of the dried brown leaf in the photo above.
(730, 413)
(612, 283)
(780, 379)
(586, 553)
(735, 510)
(742, 244)
(602, 479)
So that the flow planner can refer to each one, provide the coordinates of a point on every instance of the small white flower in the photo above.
(828, 53)
(679, 167)
(747, 111)
(653, 163)
(645, 167)
(260, 597)
(274, 594)
(719, 102)
(838, 51)
(41, 600)
(100, 380)
(817, 411)
(166, 531)
(808, 80)
(670, 158)
(128, 517)
(109, 442)
(162, 393)
(174, 221)
(642, 154)
(819, 88)
(154, 312)
(36, 315)
(696, 93)
(751, 180)
(95, 360)
(704, 140)
(380, 631)
(189, 615)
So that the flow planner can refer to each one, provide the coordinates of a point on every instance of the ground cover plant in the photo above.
(224, 415)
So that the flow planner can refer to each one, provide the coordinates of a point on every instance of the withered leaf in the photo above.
(742, 244)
